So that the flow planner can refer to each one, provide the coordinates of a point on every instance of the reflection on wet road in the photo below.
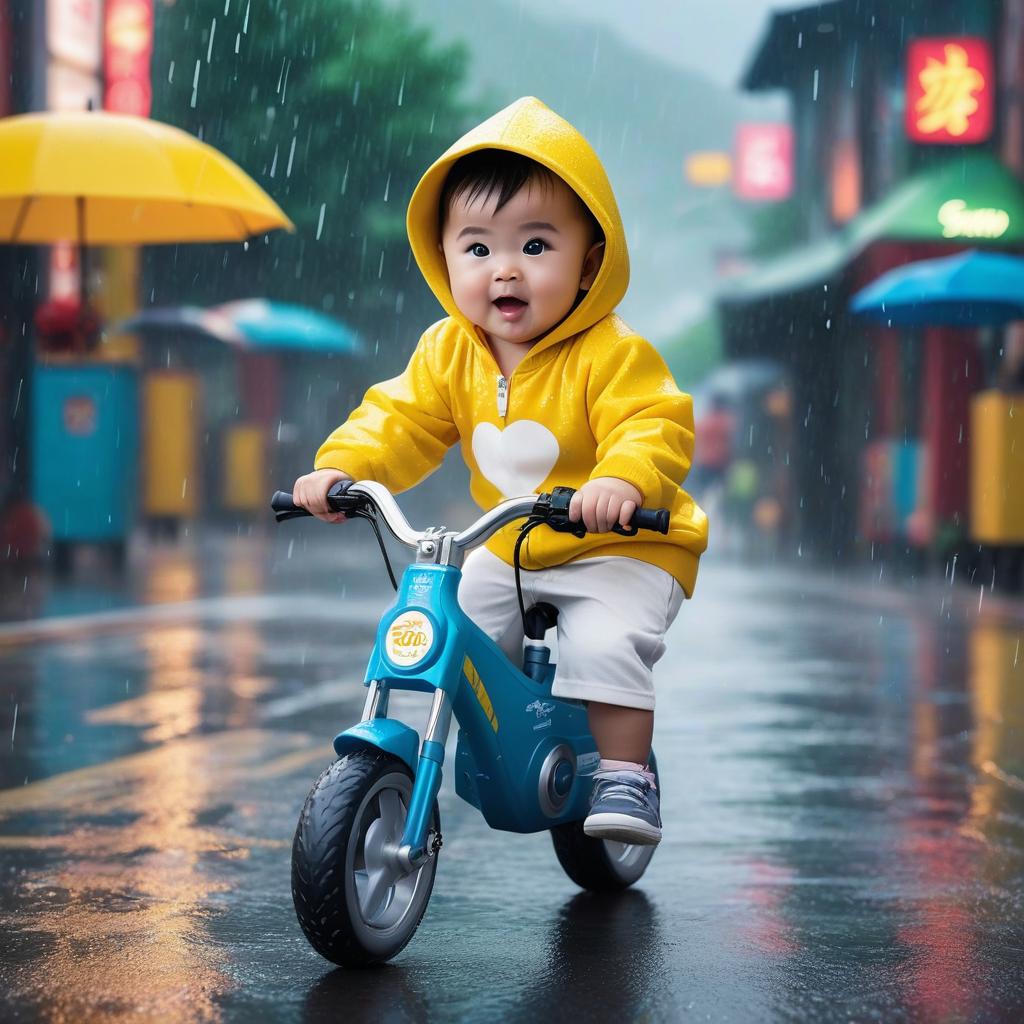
(844, 807)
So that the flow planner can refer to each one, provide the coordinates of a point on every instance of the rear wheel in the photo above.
(353, 905)
(600, 865)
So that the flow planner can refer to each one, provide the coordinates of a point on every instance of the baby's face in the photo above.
(515, 272)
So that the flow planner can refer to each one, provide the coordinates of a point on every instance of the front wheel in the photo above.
(353, 906)
(600, 865)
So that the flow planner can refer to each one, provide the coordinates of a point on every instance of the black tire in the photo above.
(328, 847)
(600, 865)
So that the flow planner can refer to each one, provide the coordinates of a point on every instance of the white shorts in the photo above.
(613, 613)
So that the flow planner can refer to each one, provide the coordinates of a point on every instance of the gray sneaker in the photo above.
(624, 807)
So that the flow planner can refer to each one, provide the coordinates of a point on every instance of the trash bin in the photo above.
(170, 449)
(245, 486)
(85, 426)
(997, 483)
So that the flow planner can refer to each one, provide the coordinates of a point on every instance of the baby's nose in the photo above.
(507, 272)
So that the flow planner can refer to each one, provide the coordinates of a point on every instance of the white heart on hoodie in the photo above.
(518, 459)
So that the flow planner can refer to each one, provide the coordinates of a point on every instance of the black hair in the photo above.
(489, 171)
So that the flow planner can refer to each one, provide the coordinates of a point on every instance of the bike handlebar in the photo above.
(353, 498)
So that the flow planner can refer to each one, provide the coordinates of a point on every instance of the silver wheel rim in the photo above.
(628, 860)
(385, 906)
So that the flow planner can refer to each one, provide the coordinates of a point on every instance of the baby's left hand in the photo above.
(603, 502)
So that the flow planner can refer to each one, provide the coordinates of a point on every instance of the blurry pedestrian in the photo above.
(517, 231)
(713, 448)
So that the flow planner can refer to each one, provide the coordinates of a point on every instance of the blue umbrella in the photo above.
(182, 320)
(970, 289)
(275, 326)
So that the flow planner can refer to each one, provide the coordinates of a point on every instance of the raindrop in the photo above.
(170, 72)
(323, 210)
(245, 22)
(213, 32)
(14, 726)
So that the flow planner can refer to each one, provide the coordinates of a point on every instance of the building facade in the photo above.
(907, 123)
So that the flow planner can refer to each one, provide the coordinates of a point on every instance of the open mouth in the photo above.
(507, 304)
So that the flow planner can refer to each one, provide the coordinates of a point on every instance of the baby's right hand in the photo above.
(310, 491)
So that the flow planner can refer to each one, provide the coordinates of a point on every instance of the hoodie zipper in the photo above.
(503, 383)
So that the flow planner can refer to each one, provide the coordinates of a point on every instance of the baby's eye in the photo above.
(476, 247)
(531, 247)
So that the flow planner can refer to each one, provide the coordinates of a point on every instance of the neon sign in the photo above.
(960, 222)
(764, 161)
(128, 48)
(949, 90)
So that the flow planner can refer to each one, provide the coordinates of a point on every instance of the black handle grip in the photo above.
(284, 508)
(338, 501)
(651, 519)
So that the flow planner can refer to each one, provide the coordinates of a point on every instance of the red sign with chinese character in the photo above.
(128, 47)
(764, 161)
(950, 87)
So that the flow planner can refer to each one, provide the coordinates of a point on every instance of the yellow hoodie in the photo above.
(590, 399)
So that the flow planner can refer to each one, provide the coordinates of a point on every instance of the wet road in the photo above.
(843, 800)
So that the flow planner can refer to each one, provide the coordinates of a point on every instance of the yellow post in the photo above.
(118, 300)
(170, 444)
(245, 489)
(997, 468)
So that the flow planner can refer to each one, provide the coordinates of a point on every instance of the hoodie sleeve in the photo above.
(642, 422)
(400, 432)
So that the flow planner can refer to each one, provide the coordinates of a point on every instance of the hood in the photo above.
(533, 130)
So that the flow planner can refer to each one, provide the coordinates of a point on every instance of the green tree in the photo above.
(336, 107)
(694, 353)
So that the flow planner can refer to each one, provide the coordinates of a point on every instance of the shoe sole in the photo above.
(622, 829)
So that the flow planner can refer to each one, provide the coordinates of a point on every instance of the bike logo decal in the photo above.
(474, 680)
(587, 764)
(421, 584)
(542, 709)
(546, 724)
(409, 639)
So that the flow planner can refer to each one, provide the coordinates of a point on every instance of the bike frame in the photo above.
(523, 757)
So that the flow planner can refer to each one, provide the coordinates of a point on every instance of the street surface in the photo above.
(843, 764)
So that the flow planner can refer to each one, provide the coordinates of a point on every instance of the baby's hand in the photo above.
(310, 491)
(603, 502)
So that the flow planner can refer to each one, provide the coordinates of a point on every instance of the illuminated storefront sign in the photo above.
(959, 221)
(73, 32)
(764, 161)
(128, 47)
(949, 90)
(708, 170)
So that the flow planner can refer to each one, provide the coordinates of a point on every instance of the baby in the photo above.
(516, 230)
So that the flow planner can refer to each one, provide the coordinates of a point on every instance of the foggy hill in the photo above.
(642, 115)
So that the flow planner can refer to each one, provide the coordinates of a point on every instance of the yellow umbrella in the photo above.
(113, 179)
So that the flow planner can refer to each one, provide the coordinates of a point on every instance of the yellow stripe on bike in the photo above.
(474, 680)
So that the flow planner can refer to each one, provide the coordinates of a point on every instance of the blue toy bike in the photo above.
(367, 843)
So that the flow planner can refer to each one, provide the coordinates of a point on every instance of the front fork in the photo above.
(412, 850)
